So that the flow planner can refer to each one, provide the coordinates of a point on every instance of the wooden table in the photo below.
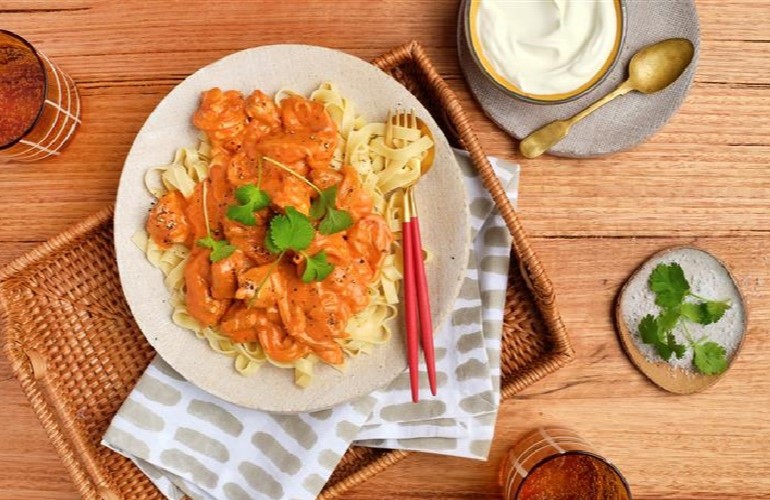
(703, 180)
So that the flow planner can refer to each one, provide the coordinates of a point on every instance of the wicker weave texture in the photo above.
(77, 352)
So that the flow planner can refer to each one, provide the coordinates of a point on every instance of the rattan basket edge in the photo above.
(29, 368)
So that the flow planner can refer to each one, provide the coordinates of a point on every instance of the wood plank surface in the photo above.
(703, 180)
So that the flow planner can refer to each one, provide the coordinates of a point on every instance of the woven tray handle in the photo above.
(531, 269)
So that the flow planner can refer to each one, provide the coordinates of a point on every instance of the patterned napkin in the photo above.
(190, 442)
(460, 421)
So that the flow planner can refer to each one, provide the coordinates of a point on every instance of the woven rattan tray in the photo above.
(77, 352)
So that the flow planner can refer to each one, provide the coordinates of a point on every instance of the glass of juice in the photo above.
(39, 104)
(554, 463)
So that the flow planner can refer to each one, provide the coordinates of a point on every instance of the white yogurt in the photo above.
(545, 47)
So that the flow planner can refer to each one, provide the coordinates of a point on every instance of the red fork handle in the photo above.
(423, 304)
(410, 306)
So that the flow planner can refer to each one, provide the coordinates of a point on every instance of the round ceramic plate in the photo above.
(443, 215)
(621, 124)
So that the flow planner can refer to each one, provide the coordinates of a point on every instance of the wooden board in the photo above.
(704, 180)
(675, 379)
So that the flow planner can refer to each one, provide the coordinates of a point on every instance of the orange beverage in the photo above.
(39, 104)
(554, 463)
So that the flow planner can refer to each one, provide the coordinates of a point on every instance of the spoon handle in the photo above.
(544, 138)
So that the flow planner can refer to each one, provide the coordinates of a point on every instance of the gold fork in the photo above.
(416, 295)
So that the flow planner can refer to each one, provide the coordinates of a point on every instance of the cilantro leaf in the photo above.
(248, 193)
(270, 246)
(675, 347)
(252, 199)
(207, 242)
(667, 321)
(669, 347)
(693, 312)
(648, 330)
(714, 310)
(324, 208)
(317, 268)
(335, 221)
(710, 358)
(665, 343)
(262, 200)
(242, 213)
(669, 284)
(663, 351)
(671, 288)
(220, 249)
(705, 313)
(326, 200)
(291, 231)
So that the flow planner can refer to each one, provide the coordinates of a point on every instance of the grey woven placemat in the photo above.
(619, 125)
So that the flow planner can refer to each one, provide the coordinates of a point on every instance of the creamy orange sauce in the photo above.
(288, 317)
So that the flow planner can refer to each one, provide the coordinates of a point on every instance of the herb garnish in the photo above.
(671, 289)
(317, 268)
(251, 198)
(294, 231)
(324, 208)
(220, 249)
(291, 231)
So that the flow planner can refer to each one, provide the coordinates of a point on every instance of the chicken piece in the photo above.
(292, 317)
(335, 245)
(325, 177)
(263, 116)
(299, 115)
(242, 170)
(263, 286)
(292, 192)
(240, 322)
(250, 239)
(222, 116)
(328, 350)
(224, 274)
(197, 277)
(327, 317)
(350, 284)
(278, 345)
(220, 110)
(239, 317)
(167, 222)
(351, 195)
(370, 238)
(291, 150)
(313, 127)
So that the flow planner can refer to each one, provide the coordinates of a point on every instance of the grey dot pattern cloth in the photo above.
(619, 125)
(189, 442)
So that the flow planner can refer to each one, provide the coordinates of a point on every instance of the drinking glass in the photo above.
(39, 104)
(555, 463)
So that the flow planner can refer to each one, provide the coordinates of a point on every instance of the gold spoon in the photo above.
(653, 68)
